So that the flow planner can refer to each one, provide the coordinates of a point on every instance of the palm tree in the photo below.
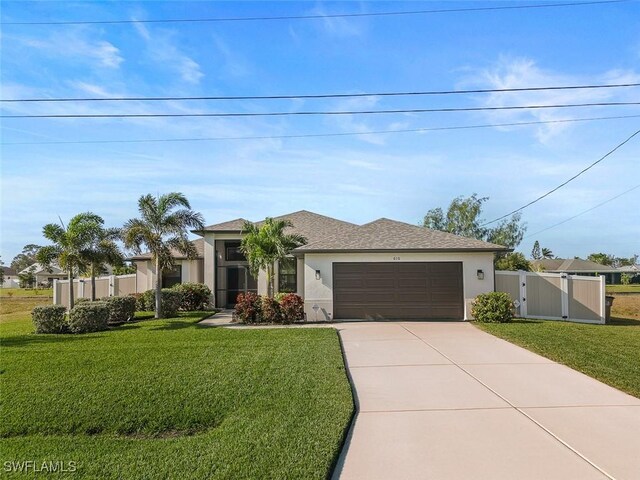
(101, 251)
(265, 245)
(160, 229)
(546, 253)
(68, 244)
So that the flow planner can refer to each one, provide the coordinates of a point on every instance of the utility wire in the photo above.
(319, 16)
(316, 135)
(352, 112)
(585, 211)
(566, 182)
(324, 95)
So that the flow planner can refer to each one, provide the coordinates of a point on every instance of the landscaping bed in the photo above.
(609, 353)
(173, 399)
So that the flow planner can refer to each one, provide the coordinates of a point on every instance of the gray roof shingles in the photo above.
(199, 244)
(386, 234)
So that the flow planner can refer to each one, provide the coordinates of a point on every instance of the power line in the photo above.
(566, 182)
(585, 211)
(319, 16)
(334, 134)
(308, 113)
(323, 95)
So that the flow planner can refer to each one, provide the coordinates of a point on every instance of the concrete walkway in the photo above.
(448, 401)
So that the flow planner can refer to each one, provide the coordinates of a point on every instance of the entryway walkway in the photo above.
(448, 401)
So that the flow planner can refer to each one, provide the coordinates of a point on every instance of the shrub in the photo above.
(49, 319)
(81, 300)
(270, 311)
(292, 308)
(139, 299)
(89, 317)
(279, 296)
(170, 300)
(121, 309)
(194, 296)
(248, 308)
(493, 307)
(148, 302)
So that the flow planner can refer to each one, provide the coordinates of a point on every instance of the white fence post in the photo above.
(112, 285)
(522, 277)
(603, 300)
(564, 297)
(55, 291)
(80, 288)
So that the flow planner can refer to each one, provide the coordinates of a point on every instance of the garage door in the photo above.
(396, 291)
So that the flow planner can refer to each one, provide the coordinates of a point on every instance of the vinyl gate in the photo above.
(555, 296)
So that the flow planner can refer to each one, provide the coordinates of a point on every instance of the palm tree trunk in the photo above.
(158, 289)
(93, 284)
(270, 281)
(70, 277)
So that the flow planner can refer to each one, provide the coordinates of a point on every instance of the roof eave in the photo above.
(405, 250)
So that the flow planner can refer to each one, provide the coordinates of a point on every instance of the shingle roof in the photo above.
(571, 265)
(230, 226)
(9, 271)
(386, 234)
(312, 226)
(199, 244)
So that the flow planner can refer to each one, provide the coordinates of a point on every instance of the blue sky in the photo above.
(355, 178)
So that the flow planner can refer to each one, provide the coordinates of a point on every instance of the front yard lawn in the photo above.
(171, 399)
(609, 353)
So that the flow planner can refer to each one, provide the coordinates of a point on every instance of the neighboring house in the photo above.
(10, 279)
(577, 266)
(383, 269)
(46, 275)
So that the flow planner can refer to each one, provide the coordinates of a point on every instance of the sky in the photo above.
(357, 178)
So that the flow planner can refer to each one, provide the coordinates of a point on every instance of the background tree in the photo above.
(26, 258)
(27, 278)
(102, 250)
(124, 269)
(162, 227)
(463, 218)
(601, 258)
(1, 273)
(513, 261)
(265, 245)
(536, 254)
(546, 253)
(68, 244)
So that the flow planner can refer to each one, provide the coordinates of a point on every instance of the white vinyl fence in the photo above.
(109, 286)
(555, 296)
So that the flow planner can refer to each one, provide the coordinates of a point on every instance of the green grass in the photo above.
(609, 353)
(635, 288)
(26, 292)
(171, 399)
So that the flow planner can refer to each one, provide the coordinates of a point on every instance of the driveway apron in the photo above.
(442, 400)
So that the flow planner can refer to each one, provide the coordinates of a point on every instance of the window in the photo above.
(233, 252)
(287, 278)
(172, 277)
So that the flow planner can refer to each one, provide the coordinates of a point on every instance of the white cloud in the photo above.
(161, 45)
(76, 45)
(521, 72)
(338, 26)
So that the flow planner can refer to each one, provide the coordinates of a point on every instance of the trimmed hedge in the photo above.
(49, 319)
(248, 308)
(121, 309)
(89, 317)
(169, 298)
(493, 307)
(194, 296)
(270, 310)
(291, 308)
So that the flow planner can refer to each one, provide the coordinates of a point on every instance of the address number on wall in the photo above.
(396, 258)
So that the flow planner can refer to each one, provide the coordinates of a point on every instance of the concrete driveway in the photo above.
(448, 401)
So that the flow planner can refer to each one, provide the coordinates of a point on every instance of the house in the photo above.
(10, 278)
(577, 266)
(45, 275)
(383, 270)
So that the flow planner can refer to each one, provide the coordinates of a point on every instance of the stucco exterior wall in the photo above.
(320, 291)
(192, 271)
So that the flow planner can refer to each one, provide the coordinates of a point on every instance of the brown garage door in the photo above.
(396, 291)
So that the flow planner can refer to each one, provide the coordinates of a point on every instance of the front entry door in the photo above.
(239, 280)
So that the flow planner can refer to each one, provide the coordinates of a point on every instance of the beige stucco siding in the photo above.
(320, 291)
